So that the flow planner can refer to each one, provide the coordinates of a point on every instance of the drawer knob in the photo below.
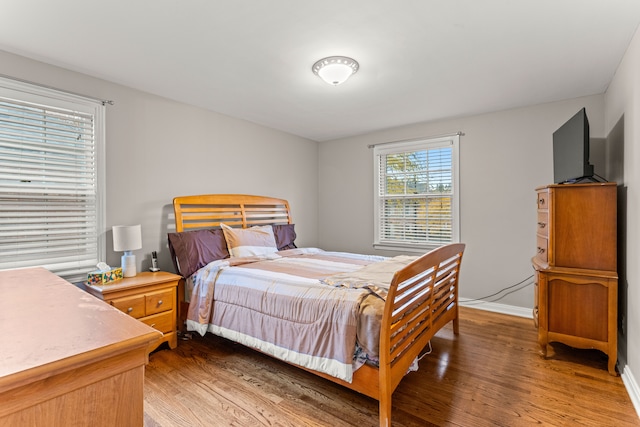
(540, 250)
(159, 302)
(541, 201)
(129, 310)
(542, 224)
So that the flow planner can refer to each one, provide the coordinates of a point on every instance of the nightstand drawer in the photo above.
(162, 322)
(133, 306)
(149, 297)
(160, 301)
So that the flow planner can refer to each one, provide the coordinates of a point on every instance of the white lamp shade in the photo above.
(335, 74)
(127, 237)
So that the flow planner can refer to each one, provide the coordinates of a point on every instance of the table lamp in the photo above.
(127, 238)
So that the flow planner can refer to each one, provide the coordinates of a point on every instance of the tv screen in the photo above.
(571, 150)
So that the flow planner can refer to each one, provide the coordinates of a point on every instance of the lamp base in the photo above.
(128, 262)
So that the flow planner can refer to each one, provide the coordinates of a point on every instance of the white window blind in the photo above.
(416, 199)
(50, 180)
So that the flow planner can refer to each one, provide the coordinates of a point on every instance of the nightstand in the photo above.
(149, 297)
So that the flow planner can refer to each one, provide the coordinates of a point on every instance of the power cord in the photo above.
(426, 352)
(518, 286)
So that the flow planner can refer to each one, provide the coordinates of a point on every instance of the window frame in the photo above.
(408, 146)
(25, 92)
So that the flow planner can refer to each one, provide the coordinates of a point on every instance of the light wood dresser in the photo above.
(576, 293)
(149, 297)
(67, 358)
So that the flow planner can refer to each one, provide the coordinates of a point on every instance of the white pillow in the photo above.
(254, 241)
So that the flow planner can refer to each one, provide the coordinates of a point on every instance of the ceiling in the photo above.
(420, 60)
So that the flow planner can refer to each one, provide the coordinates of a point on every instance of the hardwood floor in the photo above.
(489, 375)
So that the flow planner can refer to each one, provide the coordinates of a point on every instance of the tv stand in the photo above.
(576, 292)
(585, 180)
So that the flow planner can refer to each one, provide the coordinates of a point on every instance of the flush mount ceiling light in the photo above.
(335, 69)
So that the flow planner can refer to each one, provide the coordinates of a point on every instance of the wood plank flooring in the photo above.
(489, 375)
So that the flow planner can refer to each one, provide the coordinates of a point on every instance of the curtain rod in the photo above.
(102, 101)
(459, 133)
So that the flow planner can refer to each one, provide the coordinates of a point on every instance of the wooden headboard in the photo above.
(235, 210)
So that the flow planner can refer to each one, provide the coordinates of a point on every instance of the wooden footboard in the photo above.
(423, 296)
(422, 299)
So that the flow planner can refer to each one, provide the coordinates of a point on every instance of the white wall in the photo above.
(157, 149)
(622, 102)
(503, 157)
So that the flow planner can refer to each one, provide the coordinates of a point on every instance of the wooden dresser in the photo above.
(149, 297)
(67, 358)
(576, 293)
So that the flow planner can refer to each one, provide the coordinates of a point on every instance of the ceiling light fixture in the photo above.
(335, 69)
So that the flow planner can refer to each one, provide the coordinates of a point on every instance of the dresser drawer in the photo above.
(542, 249)
(162, 322)
(543, 224)
(134, 305)
(543, 200)
(160, 301)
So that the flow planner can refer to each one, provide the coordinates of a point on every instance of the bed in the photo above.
(418, 297)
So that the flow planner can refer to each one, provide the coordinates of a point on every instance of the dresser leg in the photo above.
(543, 350)
(612, 366)
(546, 350)
(543, 343)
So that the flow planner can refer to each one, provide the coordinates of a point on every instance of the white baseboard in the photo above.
(631, 385)
(498, 308)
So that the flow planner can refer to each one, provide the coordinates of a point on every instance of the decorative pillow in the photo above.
(254, 241)
(192, 250)
(285, 236)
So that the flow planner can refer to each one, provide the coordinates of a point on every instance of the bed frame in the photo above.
(423, 296)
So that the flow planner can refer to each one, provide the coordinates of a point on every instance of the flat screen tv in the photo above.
(571, 151)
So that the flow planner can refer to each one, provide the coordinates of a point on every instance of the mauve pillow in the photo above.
(192, 250)
(285, 236)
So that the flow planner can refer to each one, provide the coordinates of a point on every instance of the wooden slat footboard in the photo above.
(423, 298)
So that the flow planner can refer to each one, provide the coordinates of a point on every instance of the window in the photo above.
(416, 199)
(51, 154)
